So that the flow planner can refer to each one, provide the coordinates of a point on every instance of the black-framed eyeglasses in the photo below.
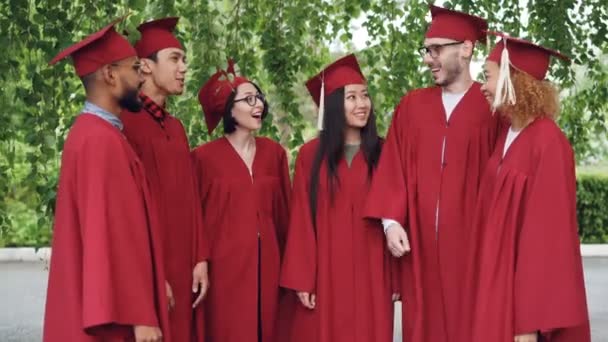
(434, 50)
(252, 99)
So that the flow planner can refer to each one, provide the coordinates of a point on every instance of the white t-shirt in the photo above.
(511, 135)
(450, 100)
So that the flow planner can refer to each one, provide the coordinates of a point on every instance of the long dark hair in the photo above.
(331, 146)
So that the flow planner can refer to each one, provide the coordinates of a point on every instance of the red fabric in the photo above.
(106, 273)
(236, 208)
(411, 186)
(157, 35)
(100, 48)
(344, 261)
(340, 73)
(456, 25)
(213, 95)
(524, 55)
(165, 154)
(527, 271)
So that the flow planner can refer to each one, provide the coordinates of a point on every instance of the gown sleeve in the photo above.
(549, 287)
(118, 271)
(299, 267)
(387, 198)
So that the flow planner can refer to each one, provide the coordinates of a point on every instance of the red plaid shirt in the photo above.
(158, 113)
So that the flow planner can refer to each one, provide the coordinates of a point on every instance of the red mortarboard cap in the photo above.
(214, 94)
(456, 25)
(344, 71)
(526, 56)
(102, 47)
(157, 35)
(522, 55)
(340, 73)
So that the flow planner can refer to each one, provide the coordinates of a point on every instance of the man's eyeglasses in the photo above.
(252, 99)
(434, 50)
(136, 66)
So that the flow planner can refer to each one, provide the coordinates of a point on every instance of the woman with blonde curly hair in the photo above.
(526, 269)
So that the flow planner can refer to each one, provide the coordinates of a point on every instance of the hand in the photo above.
(200, 282)
(397, 241)
(395, 297)
(526, 338)
(170, 297)
(147, 334)
(307, 299)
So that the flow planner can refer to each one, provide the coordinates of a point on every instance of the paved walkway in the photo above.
(23, 287)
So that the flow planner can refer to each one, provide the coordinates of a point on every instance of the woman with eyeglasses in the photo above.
(335, 261)
(244, 187)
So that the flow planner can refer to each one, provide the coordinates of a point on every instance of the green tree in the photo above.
(277, 43)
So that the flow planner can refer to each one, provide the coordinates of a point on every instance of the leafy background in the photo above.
(278, 43)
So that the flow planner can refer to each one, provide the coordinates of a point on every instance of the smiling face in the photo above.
(357, 105)
(168, 72)
(248, 107)
(490, 72)
(446, 59)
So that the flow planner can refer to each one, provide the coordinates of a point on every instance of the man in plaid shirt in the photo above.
(161, 143)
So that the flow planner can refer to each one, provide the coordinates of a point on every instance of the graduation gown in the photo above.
(341, 257)
(245, 219)
(106, 273)
(165, 153)
(427, 180)
(527, 263)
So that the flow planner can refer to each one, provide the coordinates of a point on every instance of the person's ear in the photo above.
(146, 65)
(109, 74)
(467, 49)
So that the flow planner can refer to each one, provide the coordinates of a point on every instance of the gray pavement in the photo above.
(23, 287)
(596, 282)
(22, 295)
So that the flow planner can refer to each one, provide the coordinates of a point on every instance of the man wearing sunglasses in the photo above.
(425, 187)
(160, 141)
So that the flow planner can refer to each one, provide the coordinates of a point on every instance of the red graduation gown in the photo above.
(344, 261)
(106, 273)
(433, 198)
(527, 261)
(240, 213)
(166, 157)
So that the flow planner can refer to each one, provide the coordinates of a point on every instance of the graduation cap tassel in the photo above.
(505, 93)
(488, 45)
(321, 106)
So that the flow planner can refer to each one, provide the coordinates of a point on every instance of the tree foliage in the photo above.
(277, 43)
